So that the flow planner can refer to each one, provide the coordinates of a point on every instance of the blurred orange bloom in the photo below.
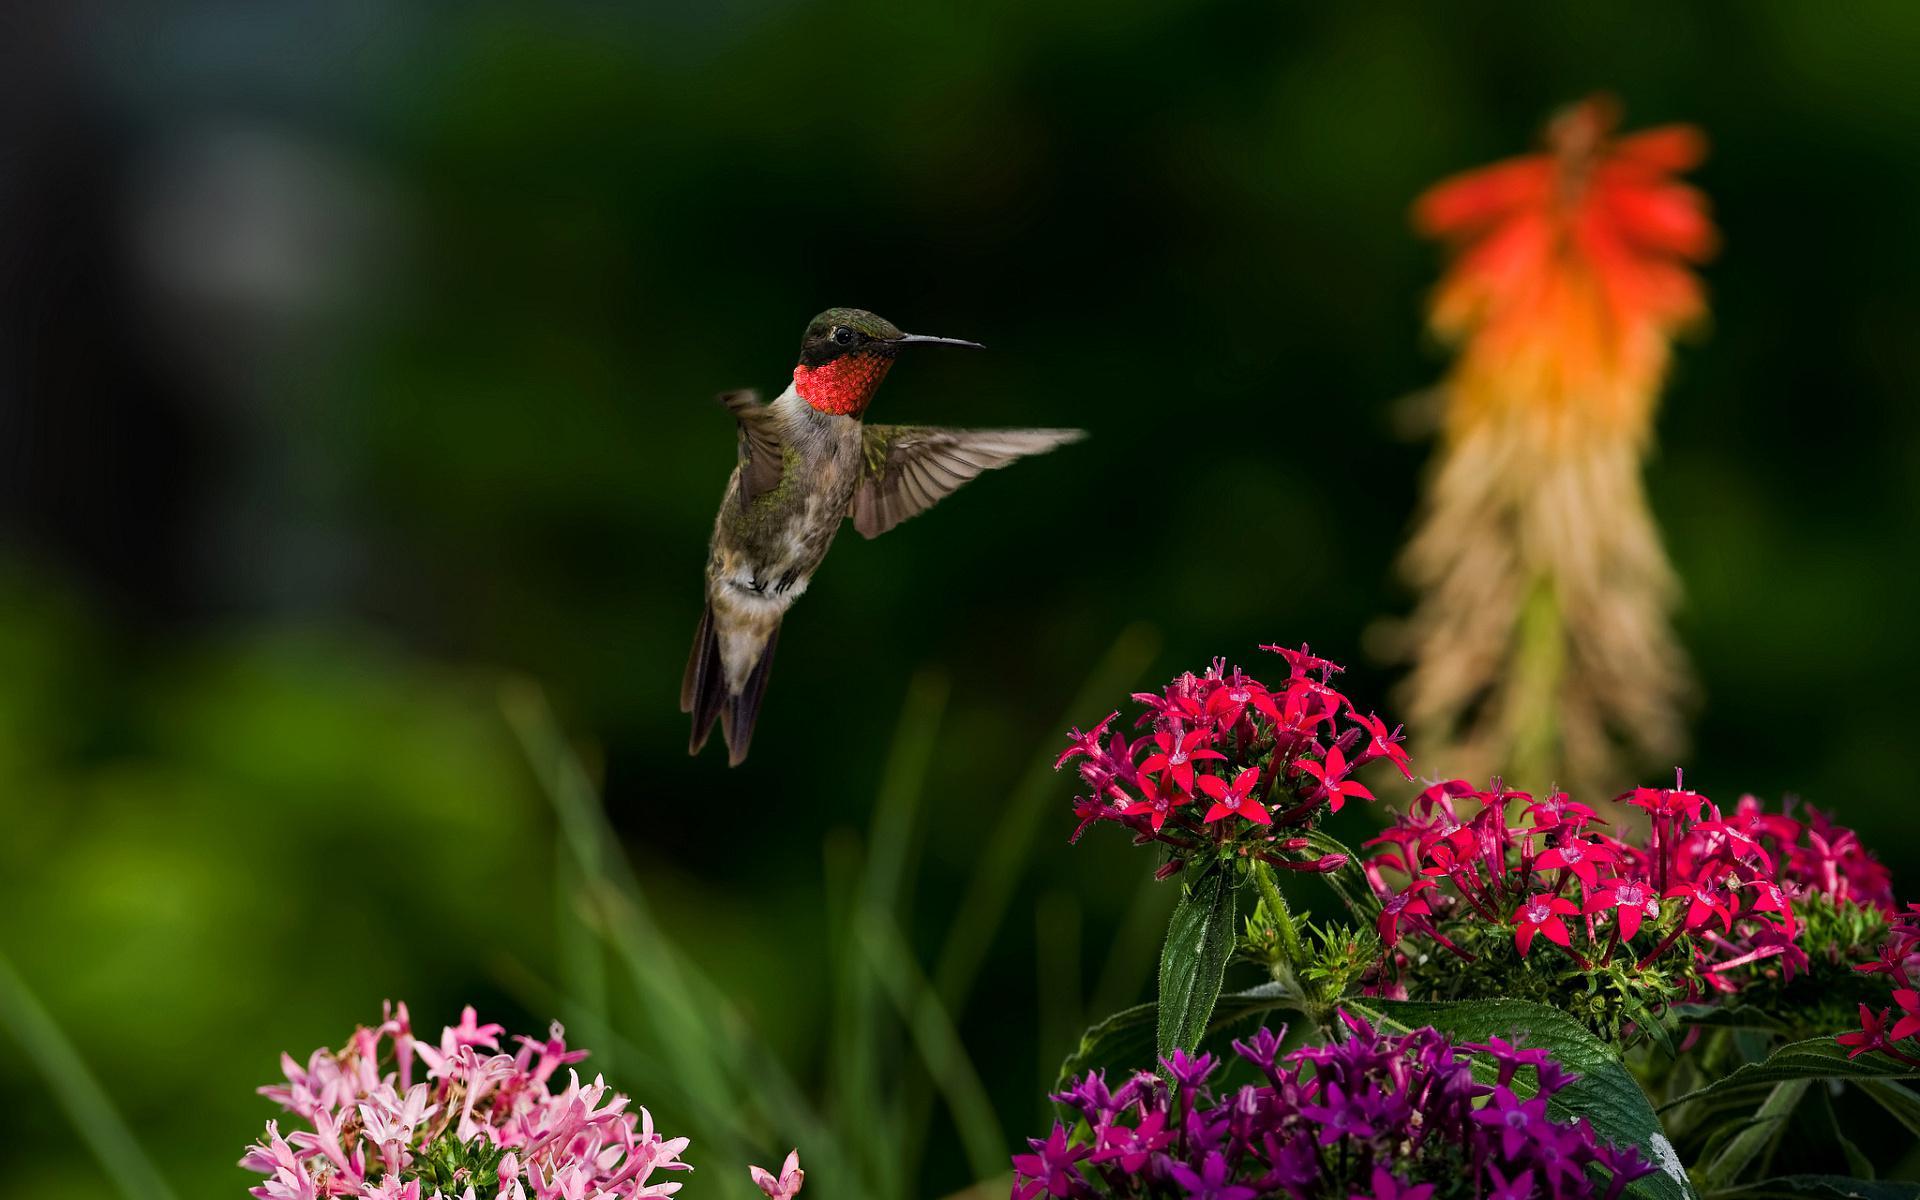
(1541, 643)
(1570, 273)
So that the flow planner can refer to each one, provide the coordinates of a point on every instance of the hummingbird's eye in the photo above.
(842, 336)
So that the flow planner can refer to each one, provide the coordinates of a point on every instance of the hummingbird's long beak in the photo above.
(921, 339)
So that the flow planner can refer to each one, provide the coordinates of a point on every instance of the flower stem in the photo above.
(1276, 906)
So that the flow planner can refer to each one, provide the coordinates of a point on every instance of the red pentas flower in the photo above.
(1235, 799)
(1633, 900)
(1541, 914)
(1899, 961)
(1226, 764)
(1332, 777)
(1700, 904)
(1585, 857)
(1402, 905)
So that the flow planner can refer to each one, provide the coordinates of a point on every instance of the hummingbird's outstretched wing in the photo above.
(910, 467)
(760, 447)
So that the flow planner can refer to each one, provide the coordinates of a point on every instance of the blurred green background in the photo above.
(354, 358)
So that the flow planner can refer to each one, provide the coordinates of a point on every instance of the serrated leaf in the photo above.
(1820, 1187)
(1814, 1058)
(1125, 1041)
(1193, 963)
(1605, 1094)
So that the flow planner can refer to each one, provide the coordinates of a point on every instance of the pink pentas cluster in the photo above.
(1545, 870)
(1222, 758)
(1893, 1030)
(395, 1117)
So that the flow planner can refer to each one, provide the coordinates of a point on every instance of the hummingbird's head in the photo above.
(846, 353)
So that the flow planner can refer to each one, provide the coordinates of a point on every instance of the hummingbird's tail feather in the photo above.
(741, 711)
(703, 689)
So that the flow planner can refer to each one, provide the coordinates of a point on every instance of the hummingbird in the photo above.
(807, 462)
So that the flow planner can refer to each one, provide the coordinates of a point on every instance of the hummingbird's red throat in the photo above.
(844, 386)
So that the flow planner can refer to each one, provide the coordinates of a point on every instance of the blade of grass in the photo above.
(611, 1048)
(76, 1090)
(895, 842)
(860, 1038)
(707, 1043)
(939, 1045)
(1056, 940)
(1757, 1139)
(583, 968)
(652, 964)
(851, 1083)
(1130, 962)
(1000, 865)
(983, 906)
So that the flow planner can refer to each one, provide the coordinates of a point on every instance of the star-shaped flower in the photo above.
(1541, 914)
(1331, 774)
(1235, 799)
(1634, 900)
(784, 1186)
(1176, 752)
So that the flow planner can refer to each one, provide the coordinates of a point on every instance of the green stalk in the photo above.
(1539, 667)
(1286, 974)
(76, 1090)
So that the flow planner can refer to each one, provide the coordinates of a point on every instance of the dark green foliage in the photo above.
(1200, 939)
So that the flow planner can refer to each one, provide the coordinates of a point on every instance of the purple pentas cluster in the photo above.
(1392, 1118)
(393, 1117)
(1222, 761)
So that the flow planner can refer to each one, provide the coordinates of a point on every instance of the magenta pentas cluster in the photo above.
(391, 1117)
(1893, 1029)
(1703, 904)
(1392, 1118)
(1224, 762)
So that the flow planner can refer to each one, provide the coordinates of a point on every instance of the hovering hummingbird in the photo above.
(807, 461)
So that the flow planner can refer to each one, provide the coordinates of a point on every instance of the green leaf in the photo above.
(1857, 1160)
(1769, 1124)
(1200, 938)
(1820, 1187)
(1605, 1094)
(1727, 1016)
(1815, 1058)
(1897, 1099)
(1125, 1041)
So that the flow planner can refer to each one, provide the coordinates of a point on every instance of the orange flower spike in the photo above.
(1571, 275)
